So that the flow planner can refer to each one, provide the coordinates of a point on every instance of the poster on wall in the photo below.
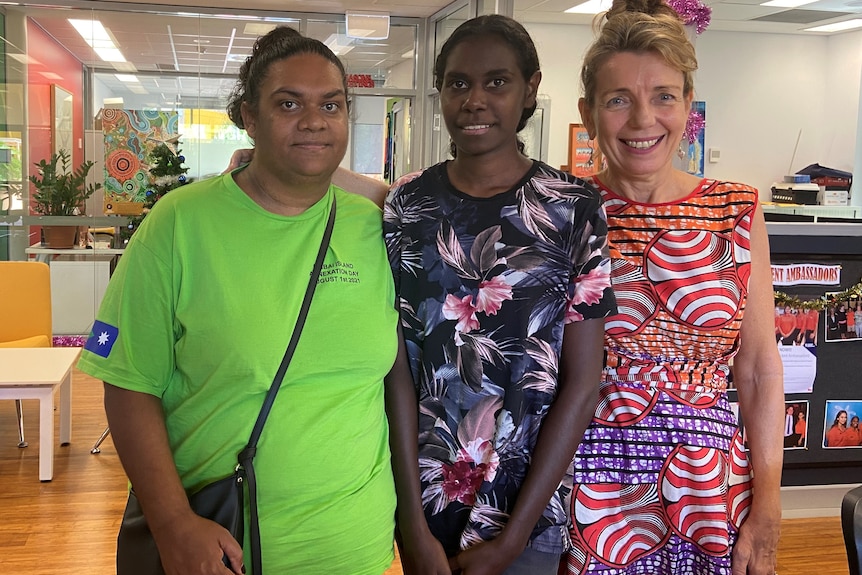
(797, 320)
(795, 425)
(697, 140)
(841, 428)
(843, 318)
(130, 137)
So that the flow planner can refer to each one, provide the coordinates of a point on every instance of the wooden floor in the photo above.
(69, 525)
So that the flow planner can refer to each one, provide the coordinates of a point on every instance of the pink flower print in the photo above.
(462, 310)
(589, 288)
(573, 315)
(482, 453)
(492, 294)
(461, 481)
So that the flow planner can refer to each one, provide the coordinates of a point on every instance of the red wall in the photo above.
(49, 57)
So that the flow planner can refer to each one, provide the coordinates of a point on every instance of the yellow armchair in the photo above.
(25, 309)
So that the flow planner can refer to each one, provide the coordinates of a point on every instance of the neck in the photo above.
(483, 177)
(281, 195)
(666, 185)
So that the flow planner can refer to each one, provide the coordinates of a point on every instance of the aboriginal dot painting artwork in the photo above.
(130, 137)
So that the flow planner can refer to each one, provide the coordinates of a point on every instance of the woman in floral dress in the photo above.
(501, 268)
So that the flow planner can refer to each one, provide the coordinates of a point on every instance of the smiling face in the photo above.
(842, 418)
(639, 114)
(300, 122)
(483, 95)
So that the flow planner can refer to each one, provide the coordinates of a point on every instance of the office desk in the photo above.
(44, 254)
(38, 373)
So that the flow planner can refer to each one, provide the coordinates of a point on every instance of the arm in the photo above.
(188, 544)
(421, 552)
(374, 190)
(559, 436)
(757, 371)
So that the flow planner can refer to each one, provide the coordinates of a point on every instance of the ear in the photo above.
(532, 89)
(587, 118)
(249, 120)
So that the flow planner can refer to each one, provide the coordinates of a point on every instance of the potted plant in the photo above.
(61, 191)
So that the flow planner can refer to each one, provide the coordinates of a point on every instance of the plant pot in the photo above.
(59, 237)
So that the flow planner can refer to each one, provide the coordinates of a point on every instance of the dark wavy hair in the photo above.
(639, 26)
(279, 43)
(509, 31)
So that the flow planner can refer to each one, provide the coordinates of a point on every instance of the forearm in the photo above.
(402, 411)
(372, 189)
(138, 430)
(563, 426)
(761, 402)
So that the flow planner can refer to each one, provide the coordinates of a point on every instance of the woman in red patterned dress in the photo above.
(663, 484)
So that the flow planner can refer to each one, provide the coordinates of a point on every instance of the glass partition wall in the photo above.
(124, 90)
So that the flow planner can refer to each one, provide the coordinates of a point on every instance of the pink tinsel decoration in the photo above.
(693, 126)
(693, 13)
(70, 340)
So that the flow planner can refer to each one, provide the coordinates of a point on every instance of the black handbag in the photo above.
(222, 500)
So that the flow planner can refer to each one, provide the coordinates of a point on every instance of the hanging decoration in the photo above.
(694, 126)
(693, 13)
(853, 292)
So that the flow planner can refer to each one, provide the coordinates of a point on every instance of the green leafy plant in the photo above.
(59, 190)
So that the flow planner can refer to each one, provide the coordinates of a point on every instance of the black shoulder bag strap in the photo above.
(246, 455)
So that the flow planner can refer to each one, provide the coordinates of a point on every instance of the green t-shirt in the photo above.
(204, 301)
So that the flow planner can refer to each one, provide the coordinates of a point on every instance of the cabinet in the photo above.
(77, 288)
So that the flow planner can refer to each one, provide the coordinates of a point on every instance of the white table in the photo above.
(38, 373)
(44, 254)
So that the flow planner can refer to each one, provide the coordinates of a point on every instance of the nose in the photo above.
(474, 98)
(642, 115)
(312, 119)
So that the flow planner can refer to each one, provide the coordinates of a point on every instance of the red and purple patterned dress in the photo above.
(661, 479)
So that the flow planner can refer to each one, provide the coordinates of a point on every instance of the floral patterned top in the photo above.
(485, 288)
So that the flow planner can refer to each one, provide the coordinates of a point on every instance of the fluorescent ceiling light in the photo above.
(110, 54)
(97, 37)
(51, 76)
(339, 44)
(408, 54)
(590, 7)
(367, 25)
(257, 29)
(128, 78)
(837, 26)
(787, 3)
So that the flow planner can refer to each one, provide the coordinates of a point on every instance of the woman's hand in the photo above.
(239, 158)
(756, 547)
(196, 546)
(424, 555)
(486, 558)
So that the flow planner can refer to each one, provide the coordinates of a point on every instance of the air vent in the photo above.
(800, 16)
(165, 67)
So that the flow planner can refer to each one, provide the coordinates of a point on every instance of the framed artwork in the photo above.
(61, 126)
(585, 157)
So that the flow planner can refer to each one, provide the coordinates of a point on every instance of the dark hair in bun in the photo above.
(277, 44)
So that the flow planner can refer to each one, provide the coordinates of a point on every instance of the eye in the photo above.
(331, 107)
(457, 84)
(289, 105)
(497, 83)
(666, 98)
(616, 102)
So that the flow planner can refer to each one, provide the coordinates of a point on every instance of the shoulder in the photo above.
(730, 191)
(415, 183)
(353, 205)
(558, 184)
